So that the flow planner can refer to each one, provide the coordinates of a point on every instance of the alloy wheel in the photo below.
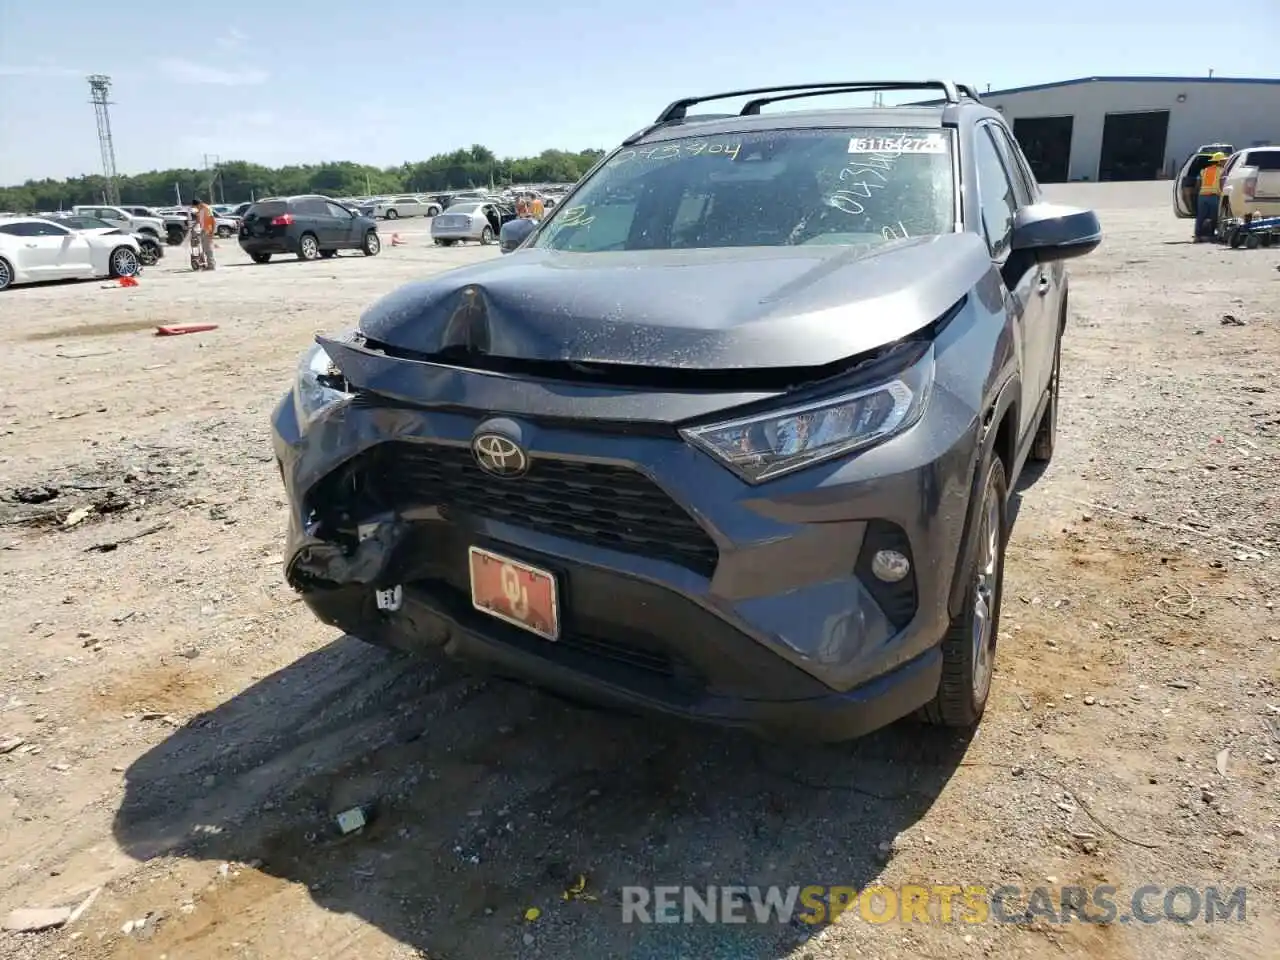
(986, 579)
(6, 275)
(124, 262)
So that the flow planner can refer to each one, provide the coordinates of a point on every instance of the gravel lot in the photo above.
(189, 731)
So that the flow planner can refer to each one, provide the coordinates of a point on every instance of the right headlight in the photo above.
(768, 445)
(318, 386)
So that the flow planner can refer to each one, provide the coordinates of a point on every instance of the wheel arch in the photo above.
(999, 437)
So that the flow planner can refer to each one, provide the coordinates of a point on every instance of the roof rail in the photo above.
(753, 106)
(680, 108)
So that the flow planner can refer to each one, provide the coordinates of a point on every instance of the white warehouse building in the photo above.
(1135, 128)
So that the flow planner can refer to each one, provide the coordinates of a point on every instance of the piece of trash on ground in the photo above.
(578, 890)
(33, 919)
(349, 821)
(177, 329)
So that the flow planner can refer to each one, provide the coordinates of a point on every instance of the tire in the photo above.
(486, 236)
(433, 211)
(308, 247)
(175, 236)
(6, 274)
(1047, 431)
(1252, 241)
(149, 253)
(392, 215)
(260, 257)
(327, 254)
(224, 232)
(123, 262)
(372, 245)
(969, 646)
(1235, 238)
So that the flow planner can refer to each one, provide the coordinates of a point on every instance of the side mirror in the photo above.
(1055, 232)
(514, 233)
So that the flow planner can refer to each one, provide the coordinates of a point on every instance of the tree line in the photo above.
(240, 180)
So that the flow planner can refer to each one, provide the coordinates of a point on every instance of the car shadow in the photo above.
(485, 798)
(1032, 473)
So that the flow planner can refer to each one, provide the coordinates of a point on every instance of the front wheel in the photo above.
(123, 262)
(486, 236)
(224, 232)
(969, 646)
(372, 245)
(308, 247)
(149, 254)
(392, 215)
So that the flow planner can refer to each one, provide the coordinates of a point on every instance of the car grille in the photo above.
(592, 503)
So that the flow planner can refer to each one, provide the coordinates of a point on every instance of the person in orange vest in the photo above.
(535, 208)
(1208, 198)
(203, 220)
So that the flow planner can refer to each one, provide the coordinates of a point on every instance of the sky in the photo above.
(391, 81)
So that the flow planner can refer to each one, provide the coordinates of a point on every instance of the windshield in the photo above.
(767, 189)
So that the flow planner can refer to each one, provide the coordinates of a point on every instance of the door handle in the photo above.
(1043, 286)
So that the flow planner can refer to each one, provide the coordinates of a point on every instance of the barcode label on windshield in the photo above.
(930, 143)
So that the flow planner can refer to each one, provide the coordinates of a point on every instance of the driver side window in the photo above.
(997, 201)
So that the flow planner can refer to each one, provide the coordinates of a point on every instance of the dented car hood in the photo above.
(691, 309)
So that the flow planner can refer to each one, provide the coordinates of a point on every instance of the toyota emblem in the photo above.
(499, 455)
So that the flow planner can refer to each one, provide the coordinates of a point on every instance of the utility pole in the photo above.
(99, 90)
(211, 170)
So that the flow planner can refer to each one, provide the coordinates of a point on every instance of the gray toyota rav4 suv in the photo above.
(731, 434)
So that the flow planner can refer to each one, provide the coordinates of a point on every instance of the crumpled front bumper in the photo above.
(787, 628)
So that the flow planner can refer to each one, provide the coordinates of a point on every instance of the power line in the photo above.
(99, 88)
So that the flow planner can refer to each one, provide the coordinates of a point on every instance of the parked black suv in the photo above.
(731, 435)
(310, 227)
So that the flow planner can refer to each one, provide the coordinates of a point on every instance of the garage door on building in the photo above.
(1133, 145)
(1047, 143)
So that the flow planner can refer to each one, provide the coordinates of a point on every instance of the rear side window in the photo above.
(311, 207)
(1263, 159)
(267, 209)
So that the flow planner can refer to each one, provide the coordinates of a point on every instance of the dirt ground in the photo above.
(187, 731)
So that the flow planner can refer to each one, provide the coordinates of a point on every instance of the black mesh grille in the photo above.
(591, 503)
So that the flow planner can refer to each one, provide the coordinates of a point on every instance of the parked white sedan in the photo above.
(34, 249)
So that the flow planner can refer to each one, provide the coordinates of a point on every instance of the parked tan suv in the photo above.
(1251, 183)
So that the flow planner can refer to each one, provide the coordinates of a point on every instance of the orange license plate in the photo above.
(515, 592)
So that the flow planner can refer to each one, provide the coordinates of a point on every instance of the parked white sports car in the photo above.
(34, 249)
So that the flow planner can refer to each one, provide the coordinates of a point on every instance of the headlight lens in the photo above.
(318, 386)
(769, 445)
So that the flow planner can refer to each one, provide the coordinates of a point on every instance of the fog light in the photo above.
(890, 566)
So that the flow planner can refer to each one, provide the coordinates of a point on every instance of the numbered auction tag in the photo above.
(929, 143)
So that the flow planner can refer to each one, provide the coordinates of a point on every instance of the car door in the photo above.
(1186, 185)
(407, 207)
(313, 213)
(1024, 287)
(345, 231)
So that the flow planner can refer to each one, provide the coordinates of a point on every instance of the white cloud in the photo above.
(185, 71)
(231, 40)
(38, 70)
